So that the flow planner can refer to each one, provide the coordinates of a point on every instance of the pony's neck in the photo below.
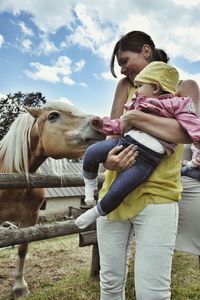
(36, 155)
(35, 163)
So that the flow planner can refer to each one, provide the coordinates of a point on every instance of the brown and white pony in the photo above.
(56, 130)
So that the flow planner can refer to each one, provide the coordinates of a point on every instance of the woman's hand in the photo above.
(163, 128)
(119, 161)
(126, 121)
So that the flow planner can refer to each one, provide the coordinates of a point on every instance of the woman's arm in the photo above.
(164, 128)
(120, 160)
(189, 88)
(120, 98)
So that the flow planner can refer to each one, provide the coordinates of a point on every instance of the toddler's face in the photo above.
(145, 89)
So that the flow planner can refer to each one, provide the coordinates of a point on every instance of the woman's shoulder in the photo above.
(188, 83)
(190, 88)
(125, 83)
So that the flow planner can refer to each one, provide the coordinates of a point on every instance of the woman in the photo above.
(153, 215)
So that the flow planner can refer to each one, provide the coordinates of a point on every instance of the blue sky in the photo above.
(63, 48)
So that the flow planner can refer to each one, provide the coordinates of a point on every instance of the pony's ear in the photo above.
(33, 111)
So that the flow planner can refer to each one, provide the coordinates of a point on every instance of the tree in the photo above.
(13, 104)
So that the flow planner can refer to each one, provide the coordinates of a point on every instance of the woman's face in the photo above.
(131, 63)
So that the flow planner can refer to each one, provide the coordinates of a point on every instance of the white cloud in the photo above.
(68, 80)
(45, 46)
(42, 72)
(1, 40)
(91, 33)
(63, 65)
(186, 75)
(185, 43)
(26, 45)
(79, 65)
(60, 71)
(173, 30)
(173, 24)
(83, 84)
(187, 3)
(106, 76)
(2, 96)
(47, 15)
(25, 29)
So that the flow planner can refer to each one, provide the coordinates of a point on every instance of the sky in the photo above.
(62, 48)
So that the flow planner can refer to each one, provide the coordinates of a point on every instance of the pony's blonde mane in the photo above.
(15, 145)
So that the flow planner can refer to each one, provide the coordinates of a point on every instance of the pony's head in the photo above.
(56, 130)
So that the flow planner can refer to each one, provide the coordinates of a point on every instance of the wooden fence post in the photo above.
(199, 262)
(95, 264)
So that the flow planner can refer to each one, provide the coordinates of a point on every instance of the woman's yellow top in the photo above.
(163, 186)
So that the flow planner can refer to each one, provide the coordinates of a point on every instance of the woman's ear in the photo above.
(147, 52)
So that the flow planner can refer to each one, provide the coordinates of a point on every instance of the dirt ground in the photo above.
(47, 262)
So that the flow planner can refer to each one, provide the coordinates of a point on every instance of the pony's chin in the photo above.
(93, 141)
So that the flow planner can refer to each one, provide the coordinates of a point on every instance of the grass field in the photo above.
(58, 269)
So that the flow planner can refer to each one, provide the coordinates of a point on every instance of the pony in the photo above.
(57, 130)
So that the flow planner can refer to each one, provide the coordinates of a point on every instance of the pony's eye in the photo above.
(53, 116)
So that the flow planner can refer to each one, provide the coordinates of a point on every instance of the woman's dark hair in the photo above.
(134, 41)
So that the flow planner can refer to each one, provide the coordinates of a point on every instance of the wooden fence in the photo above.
(10, 237)
(13, 236)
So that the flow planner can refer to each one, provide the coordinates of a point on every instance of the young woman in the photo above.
(156, 86)
(150, 212)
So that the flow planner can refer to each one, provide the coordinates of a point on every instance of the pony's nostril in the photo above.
(96, 122)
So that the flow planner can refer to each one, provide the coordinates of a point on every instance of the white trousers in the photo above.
(154, 230)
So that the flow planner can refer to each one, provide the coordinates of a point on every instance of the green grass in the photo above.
(185, 284)
(185, 277)
(75, 288)
(58, 269)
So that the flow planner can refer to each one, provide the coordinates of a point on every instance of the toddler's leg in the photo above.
(87, 218)
(94, 155)
(90, 188)
(184, 170)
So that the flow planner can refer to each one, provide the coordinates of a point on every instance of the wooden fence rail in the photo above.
(11, 237)
(19, 180)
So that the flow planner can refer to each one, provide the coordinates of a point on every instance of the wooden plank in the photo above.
(87, 238)
(19, 180)
(10, 237)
